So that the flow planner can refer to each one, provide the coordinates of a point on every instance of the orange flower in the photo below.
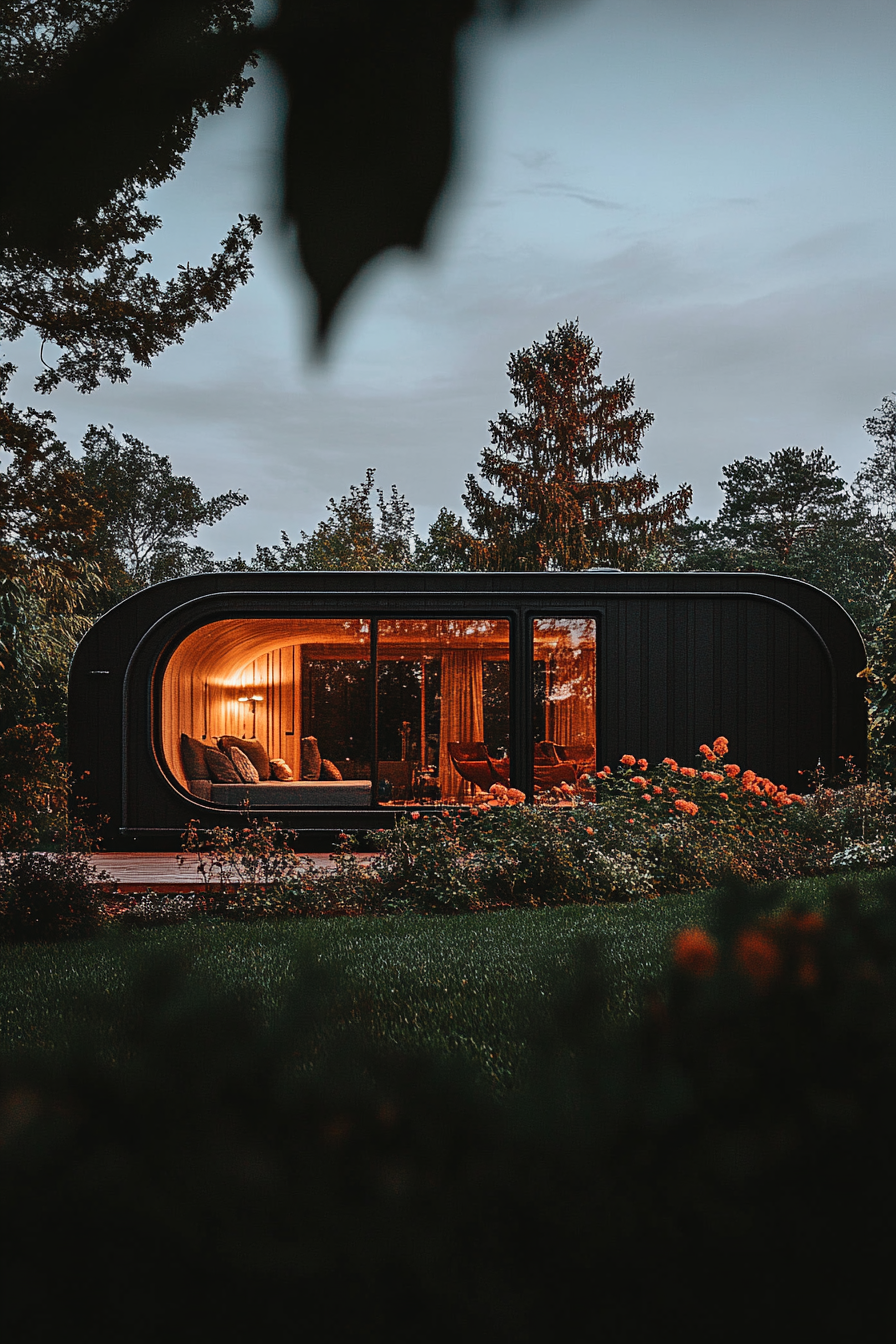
(732, 771)
(712, 776)
(627, 760)
(672, 790)
(415, 816)
(757, 955)
(640, 781)
(720, 746)
(646, 797)
(688, 771)
(657, 789)
(589, 830)
(607, 771)
(642, 764)
(684, 806)
(516, 796)
(748, 777)
(695, 951)
(707, 752)
(724, 797)
(667, 760)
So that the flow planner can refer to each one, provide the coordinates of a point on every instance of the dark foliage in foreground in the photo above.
(730, 1159)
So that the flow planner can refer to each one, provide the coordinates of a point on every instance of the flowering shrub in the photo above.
(648, 831)
(688, 825)
(497, 854)
(864, 854)
(48, 897)
(152, 909)
(251, 872)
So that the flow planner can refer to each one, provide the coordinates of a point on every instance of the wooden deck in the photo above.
(162, 872)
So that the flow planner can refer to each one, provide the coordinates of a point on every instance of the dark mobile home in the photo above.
(336, 701)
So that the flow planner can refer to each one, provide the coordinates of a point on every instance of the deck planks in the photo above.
(135, 872)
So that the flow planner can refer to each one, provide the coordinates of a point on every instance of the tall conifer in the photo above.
(561, 502)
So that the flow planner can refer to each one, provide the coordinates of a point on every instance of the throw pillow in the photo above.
(310, 758)
(221, 767)
(251, 747)
(279, 769)
(192, 755)
(329, 771)
(243, 766)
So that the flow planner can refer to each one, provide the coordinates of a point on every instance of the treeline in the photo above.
(558, 488)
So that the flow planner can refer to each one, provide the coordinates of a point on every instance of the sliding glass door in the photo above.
(442, 709)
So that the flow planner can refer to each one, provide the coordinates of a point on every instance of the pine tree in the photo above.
(558, 506)
(774, 506)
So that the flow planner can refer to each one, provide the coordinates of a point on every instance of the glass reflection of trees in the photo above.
(439, 682)
(564, 710)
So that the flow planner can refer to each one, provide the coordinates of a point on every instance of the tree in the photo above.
(146, 512)
(369, 133)
(85, 291)
(790, 513)
(446, 544)
(875, 481)
(558, 506)
(773, 506)
(351, 538)
(45, 509)
(44, 611)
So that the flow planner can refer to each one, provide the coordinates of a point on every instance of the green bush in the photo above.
(48, 897)
(500, 855)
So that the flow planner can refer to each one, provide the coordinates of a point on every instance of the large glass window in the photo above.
(338, 712)
(565, 704)
(294, 692)
(443, 709)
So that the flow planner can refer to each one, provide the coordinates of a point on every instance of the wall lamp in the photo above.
(254, 701)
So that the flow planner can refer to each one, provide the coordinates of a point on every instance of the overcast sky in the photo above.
(708, 187)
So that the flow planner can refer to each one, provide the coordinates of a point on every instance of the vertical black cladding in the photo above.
(768, 662)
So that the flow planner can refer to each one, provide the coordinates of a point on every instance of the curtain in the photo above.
(461, 717)
(570, 697)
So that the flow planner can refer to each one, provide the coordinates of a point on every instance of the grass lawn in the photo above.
(475, 986)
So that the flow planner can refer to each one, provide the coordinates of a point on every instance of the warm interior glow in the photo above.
(442, 693)
(565, 709)
(224, 671)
